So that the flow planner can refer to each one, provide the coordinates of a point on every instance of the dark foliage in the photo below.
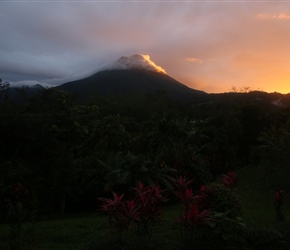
(66, 151)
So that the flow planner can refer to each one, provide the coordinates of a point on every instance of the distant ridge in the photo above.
(20, 94)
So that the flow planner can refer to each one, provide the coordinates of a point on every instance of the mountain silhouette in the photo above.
(20, 94)
(127, 82)
(133, 75)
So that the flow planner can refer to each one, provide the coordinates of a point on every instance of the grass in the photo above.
(68, 233)
(257, 198)
(73, 233)
(85, 230)
(59, 234)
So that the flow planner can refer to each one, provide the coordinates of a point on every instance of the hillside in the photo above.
(132, 81)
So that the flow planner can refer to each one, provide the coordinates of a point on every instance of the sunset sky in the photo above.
(207, 45)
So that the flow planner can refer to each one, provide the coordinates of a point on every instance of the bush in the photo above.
(267, 239)
(144, 210)
(223, 199)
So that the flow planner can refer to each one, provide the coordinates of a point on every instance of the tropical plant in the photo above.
(20, 209)
(149, 199)
(274, 152)
(144, 209)
(278, 202)
(224, 200)
(230, 180)
(120, 213)
(226, 226)
(192, 216)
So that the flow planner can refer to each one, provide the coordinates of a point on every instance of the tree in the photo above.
(5, 89)
(275, 156)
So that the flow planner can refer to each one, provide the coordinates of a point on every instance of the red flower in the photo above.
(182, 182)
(203, 199)
(149, 199)
(203, 189)
(18, 193)
(111, 205)
(230, 180)
(186, 196)
(132, 210)
(140, 186)
(278, 197)
(183, 191)
(191, 216)
(278, 200)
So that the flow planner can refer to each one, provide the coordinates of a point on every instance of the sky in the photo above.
(214, 46)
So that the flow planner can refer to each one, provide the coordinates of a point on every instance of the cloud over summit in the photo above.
(137, 61)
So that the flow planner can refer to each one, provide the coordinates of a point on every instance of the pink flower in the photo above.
(230, 180)
(132, 210)
(203, 199)
(278, 197)
(192, 216)
(182, 182)
(111, 205)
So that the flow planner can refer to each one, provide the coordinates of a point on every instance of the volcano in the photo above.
(136, 74)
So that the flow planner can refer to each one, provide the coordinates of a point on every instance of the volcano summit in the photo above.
(136, 74)
(137, 61)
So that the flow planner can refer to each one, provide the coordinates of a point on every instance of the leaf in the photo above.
(226, 236)
(227, 225)
(243, 225)
(143, 169)
(85, 130)
(211, 223)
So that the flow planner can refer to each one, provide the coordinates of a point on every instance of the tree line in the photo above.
(66, 153)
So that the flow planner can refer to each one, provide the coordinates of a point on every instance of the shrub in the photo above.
(224, 200)
(278, 202)
(230, 180)
(143, 209)
(217, 206)
(268, 239)
(192, 216)
(20, 209)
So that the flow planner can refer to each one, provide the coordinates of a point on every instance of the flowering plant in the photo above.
(143, 209)
(230, 180)
(278, 201)
(193, 213)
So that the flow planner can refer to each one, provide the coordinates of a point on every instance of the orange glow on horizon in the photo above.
(266, 83)
(260, 71)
